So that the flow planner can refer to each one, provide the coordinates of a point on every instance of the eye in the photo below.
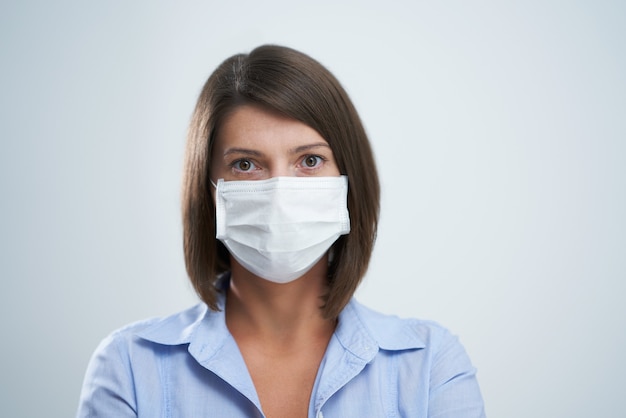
(312, 161)
(243, 165)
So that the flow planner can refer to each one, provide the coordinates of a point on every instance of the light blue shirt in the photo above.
(188, 365)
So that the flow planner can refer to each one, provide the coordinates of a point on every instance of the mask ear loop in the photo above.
(213, 192)
(331, 254)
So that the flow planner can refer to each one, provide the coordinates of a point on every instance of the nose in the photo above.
(281, 168)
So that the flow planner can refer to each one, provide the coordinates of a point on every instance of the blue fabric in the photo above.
(188, 365)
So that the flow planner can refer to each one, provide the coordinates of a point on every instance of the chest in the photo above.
(283, 382)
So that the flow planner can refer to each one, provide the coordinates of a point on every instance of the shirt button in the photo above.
(320, 415)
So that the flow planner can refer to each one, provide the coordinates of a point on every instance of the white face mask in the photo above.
(279, 228)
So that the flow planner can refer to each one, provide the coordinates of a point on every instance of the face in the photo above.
(255, 144)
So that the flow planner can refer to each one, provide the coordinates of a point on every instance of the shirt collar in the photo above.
(193, 324)
(360, 330)
(179, 328)
(209, 343)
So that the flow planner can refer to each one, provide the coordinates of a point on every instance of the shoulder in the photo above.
(434, 356)
(131, 354)
(142, 342)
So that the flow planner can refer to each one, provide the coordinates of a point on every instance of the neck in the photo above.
(280, 313)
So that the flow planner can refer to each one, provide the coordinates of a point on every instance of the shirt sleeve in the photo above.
(108, 389)
(454, 391)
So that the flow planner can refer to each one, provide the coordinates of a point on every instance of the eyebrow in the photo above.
(255, 153)
(242, 151)
(307, 147)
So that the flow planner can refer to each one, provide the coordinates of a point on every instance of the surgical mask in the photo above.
(279, 228)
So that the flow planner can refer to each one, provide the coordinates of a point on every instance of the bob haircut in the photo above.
(288, 82)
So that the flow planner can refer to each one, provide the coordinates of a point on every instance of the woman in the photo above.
(280, 209)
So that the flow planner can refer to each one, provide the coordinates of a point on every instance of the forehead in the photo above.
(250, 125)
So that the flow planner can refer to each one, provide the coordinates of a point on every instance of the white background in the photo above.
(499, 130)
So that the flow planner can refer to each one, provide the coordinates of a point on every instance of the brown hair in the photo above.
(295, 85)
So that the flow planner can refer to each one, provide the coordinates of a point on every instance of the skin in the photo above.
(279, 328)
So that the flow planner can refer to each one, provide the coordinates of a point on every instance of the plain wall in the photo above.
(500, 135)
